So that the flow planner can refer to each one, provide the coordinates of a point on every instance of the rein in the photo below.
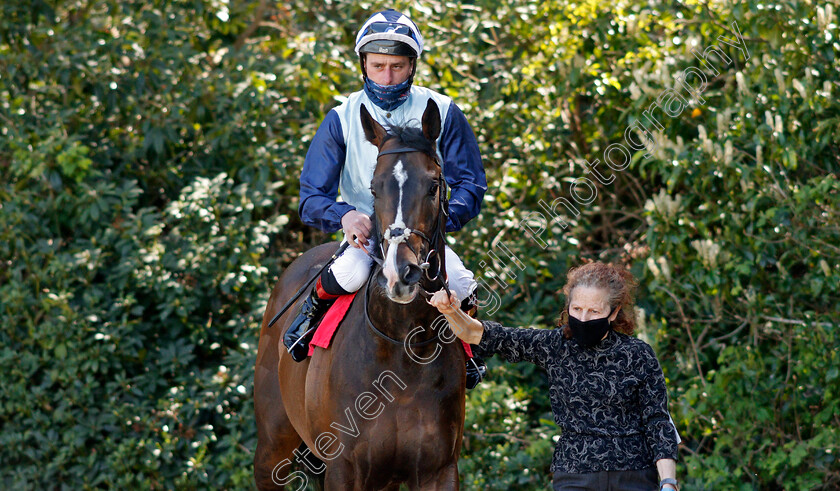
(381, 334)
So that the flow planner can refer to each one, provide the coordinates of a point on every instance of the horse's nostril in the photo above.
(411, 274)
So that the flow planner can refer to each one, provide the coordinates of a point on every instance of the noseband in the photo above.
(397, 235)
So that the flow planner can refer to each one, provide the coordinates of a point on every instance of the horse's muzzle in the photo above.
(401, 287)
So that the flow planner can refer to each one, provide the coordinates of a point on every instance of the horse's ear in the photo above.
(431, 121)
(374, 132)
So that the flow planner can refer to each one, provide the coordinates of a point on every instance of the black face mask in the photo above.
(589, 333)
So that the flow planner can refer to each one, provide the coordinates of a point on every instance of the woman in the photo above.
(607, 389)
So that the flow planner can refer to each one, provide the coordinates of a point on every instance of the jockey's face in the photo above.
(387, 69)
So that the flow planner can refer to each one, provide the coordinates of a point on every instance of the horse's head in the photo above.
(409, 210)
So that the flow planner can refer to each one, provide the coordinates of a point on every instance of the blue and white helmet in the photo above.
(390, 32)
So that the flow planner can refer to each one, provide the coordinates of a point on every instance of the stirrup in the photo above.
(301, 343)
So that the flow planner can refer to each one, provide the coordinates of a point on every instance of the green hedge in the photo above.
(149, 154)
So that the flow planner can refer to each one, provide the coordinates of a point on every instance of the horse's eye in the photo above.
(433, 189)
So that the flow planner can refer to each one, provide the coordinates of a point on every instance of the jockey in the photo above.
(340, 157)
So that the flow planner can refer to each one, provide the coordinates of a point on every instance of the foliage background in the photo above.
(149, 154)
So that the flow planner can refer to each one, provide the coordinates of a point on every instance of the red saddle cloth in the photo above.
(326, 330)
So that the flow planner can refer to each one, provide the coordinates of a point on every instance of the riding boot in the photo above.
(299, 334)
(476, 367)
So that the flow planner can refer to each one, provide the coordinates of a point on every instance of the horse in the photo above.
(384, 405)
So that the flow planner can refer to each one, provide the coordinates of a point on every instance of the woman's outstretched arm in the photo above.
(514, 344)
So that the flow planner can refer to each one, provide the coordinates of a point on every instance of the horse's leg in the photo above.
(339, 476)
(273, 457)
(276, 438)
(338, 481)
(446, 480)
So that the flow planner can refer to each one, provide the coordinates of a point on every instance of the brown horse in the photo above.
(384, 405)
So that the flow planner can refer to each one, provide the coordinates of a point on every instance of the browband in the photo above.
(398, 150)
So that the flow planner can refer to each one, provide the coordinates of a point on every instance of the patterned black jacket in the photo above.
(610, 400)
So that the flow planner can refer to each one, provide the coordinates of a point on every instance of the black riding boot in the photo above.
(303, 327)
(476, 367)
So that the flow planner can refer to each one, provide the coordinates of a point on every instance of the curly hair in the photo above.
(618, 282)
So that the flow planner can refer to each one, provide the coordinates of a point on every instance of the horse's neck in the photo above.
(398, 320)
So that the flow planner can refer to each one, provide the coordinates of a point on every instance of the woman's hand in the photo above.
(446, 306)
(465, 327)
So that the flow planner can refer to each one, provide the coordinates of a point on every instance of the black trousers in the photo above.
(636, 480)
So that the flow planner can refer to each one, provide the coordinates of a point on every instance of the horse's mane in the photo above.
(412, 137)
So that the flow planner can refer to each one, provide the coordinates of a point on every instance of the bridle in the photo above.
(397, 235)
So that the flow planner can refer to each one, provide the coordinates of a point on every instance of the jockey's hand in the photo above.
(446, 306)
(357, 228)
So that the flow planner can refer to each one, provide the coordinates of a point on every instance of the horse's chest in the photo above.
(388, 422)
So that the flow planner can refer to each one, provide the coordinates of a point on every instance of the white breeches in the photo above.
(352, 268)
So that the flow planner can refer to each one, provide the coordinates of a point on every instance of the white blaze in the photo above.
(390, 270)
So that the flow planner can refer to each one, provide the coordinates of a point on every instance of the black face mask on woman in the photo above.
(589, 333)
